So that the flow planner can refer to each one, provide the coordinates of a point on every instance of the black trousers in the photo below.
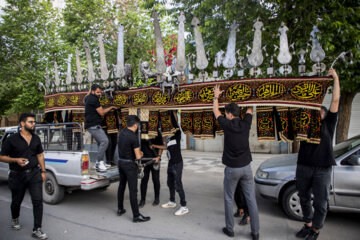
(174, 182)
(240, 199)
(128, 174)
(156, 181)
(110, 151)
(315, 180)
(18, 183)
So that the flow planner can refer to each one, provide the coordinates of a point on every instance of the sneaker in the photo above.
(312, 235)
(39, 234)
(303, 232)
(182, 211)
(100, 166)
(169, 205)
(15, 224)
(107, 165)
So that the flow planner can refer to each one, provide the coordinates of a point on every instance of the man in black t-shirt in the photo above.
(93, 114)
(129, 151)
(150, 152)
(236, 157)
(24, 153)
(314, 167)
(174, 171)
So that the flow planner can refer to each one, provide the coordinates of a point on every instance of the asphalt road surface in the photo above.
(92, 215)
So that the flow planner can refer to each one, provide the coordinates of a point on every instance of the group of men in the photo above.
(24, 153)
(130, 154)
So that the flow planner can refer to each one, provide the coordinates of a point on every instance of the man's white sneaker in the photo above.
(107, 165)
(100, 166)
(15, 224)
(169, 205)
(39, 234)
(182, 211)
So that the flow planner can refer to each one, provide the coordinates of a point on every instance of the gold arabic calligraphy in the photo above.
(270, 90)
(307, 91)
(238, 92)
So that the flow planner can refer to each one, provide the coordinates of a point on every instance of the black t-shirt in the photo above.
(92, 117)
(128, 141)
(173, 148)
(320, 155)
(236, 141)
(145, 147)
(16, 146)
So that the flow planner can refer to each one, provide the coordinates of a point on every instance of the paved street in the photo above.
(91, 215)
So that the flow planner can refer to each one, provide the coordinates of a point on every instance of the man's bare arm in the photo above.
(161, 147)
(250, 110)
(138, 153)
(334, 106)
(217, 93)
(21, 161)
(41, 160)
(102, 111)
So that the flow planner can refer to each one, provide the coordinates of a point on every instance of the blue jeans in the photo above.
(315, 180)
(101, 139)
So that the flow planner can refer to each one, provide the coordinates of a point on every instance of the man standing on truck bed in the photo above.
(129, 151)
(93, 114)
(24, 153)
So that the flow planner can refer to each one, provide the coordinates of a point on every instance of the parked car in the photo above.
(67, 161)
(275, 179)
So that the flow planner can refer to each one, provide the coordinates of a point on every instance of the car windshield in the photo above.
(343, 147)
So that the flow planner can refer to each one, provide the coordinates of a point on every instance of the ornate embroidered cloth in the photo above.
(289, 92)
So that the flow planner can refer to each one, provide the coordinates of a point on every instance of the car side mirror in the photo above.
(354, 160)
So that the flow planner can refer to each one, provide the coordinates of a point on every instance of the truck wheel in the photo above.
(53, 193)
(291, 203)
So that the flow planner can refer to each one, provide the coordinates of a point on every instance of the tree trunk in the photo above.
(344, 116)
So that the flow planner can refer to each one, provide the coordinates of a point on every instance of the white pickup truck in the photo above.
(67, 161)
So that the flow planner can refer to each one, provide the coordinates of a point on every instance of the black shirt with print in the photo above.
(320, 155)
(173, 148)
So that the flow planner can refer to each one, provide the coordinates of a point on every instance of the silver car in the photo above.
(275, 179)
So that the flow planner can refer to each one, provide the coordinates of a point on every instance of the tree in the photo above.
(85, 19)
(337, 20)
(27, 34)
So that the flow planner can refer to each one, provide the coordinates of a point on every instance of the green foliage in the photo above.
(337, 20)
(34, 34)
(27, 31)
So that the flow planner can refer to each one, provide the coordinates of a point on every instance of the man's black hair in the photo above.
(233, 109)
(95, 86)
(23, 117)
(131, 120)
